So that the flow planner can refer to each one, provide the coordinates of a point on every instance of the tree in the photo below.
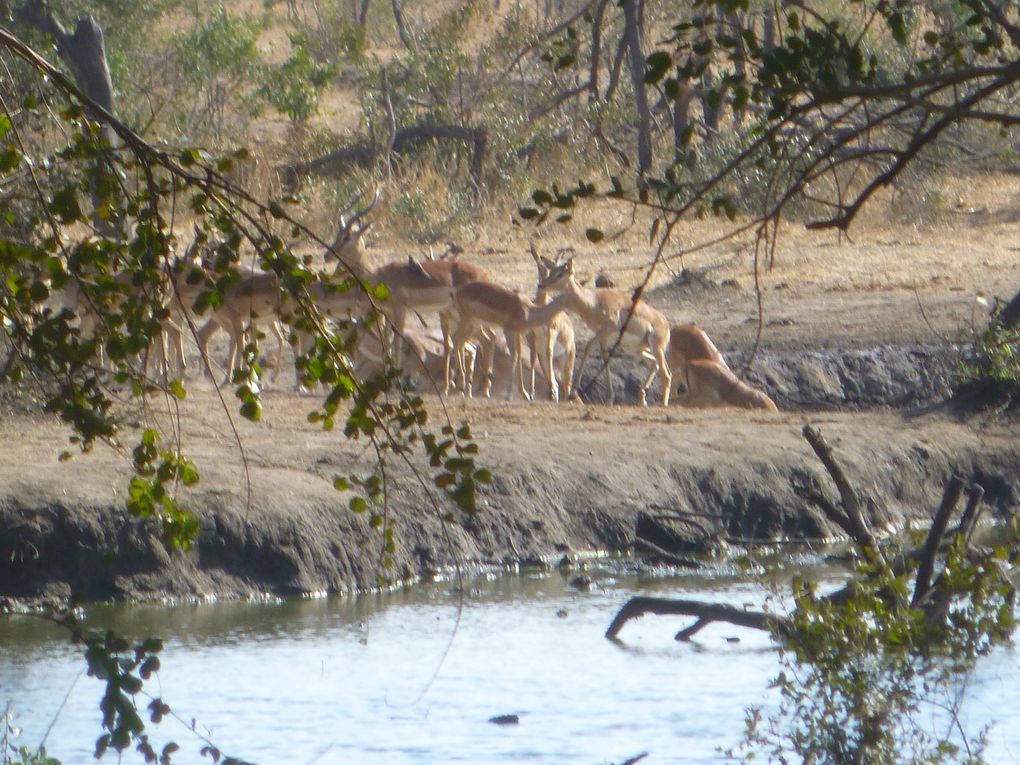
(79, 213)
(52, 238)
(824, 109)
(860, 664)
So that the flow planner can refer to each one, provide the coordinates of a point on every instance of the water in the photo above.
(400, 678)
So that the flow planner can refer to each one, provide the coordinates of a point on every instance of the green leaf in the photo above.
(252, 410)
(898, 27)
(177, 390)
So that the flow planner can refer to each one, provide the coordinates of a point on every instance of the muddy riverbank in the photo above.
(568, 479)
(858, 338)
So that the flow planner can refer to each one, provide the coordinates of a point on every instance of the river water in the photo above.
(413, 676)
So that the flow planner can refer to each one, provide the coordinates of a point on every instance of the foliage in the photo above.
(870, 678)
(12, 754)
(294, 87)
(826, 107)
(220, 57)
(990, 368)
(100, 224)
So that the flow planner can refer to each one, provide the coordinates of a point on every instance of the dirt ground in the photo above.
(569, 478)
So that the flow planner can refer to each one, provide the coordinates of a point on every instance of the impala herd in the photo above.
(480, 320)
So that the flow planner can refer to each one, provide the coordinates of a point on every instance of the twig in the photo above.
(858, 527)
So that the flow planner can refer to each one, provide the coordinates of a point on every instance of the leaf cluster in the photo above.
(864, 673)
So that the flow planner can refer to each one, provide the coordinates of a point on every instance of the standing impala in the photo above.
(613, 314)
(483, 305)
(455, 274)
(411, 288)
(560, 330)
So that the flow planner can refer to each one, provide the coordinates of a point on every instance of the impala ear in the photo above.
(548, 263)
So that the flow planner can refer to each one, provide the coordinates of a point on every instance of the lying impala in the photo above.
(694, 358)
(612, 314)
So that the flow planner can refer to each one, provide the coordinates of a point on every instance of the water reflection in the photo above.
(409, 677)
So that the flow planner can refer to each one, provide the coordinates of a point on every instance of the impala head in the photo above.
(558, 275)
(544, 266)
(348, 246)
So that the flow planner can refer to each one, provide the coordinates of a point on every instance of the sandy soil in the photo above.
(571, 477)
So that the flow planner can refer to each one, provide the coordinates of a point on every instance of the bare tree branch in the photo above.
(705, 613)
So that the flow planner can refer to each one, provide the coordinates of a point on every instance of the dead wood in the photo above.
(950, 499)
(404, 141)
(852, 517)
(938, 542)
(665, 555)
(706, 613)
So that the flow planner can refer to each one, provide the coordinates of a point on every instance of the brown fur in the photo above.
(688, 342)
(712, 384)
(607, 312)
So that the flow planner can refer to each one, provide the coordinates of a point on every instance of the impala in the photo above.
(455, 274)
(614, 315)
(411, 288)
(688, 342)
(694, 358)
(560, 331)
(711, 383)
(247, 299)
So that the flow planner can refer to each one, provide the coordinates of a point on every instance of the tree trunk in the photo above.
(405, 34)
(682, 112)
(632, 37)
(84, 53)
(404, 139)
(596, 48)
(768, 32)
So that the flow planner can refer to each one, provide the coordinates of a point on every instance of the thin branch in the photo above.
(858, 527)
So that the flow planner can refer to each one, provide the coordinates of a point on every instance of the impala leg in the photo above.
(568, 370)
(609, 374)
(233, 354)
(174, 335)
(444, 325)
(513, 342)
(490, 356)
(648, 381)
(550, 370)
(280, 339)
(471, 358)
(667, 375)
(584, 358)
(533, 340)
(460, 341)
(202, 337)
